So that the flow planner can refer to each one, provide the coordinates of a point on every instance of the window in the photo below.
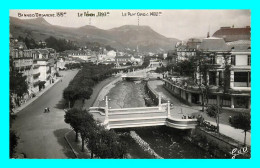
(249, 60)
(240, 76)
(212, 78)
(242, 79)
(233, 60)
(212, 60)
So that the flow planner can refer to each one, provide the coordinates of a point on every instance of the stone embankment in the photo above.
(144, 145)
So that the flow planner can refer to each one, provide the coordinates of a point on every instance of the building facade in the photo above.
(32, 63)
(219, 56)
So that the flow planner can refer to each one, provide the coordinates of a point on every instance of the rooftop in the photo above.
(233, 34)
(240, 45)
(214, 44)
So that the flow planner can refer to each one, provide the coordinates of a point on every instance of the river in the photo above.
(166, 142)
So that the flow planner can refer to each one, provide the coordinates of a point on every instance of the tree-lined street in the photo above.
(42, 134)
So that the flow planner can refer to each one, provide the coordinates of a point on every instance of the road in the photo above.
(42, 134)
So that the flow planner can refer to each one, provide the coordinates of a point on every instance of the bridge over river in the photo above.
(140, 75)
(141, 117)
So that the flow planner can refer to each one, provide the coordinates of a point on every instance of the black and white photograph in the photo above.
(130, 84)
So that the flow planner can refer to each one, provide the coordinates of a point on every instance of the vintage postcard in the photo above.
(130, 84)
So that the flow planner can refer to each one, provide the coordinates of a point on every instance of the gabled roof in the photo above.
(193, 43)
(213, 44)
(240, 45)
(233, 34)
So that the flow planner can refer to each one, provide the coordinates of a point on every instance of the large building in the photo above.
(237, 54)
(240, 79)
(35, 64)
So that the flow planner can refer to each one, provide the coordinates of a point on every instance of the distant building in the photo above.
(101, 57)
(172, 56)
(111, 54)
(233, 34)
(61, 63)
(82, 54)
(123, 59)
(185, 51)
(137, 59)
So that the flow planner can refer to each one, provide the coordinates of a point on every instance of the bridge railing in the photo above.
(99, 110)
(135, 108)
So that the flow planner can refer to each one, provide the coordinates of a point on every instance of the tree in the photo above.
(18, 84)
(72, 117)
(129, 63)
(41, 85)
(13, 136)
(84, 93)
(201, 66)
(82, 122)
(242, 121)
(169, 57)
(69, 95)
(87, 126)
(109, 145)
(213, 111)
(60, 44)
(18, 87)
(93, 140)
(226, 79)
(13, 142)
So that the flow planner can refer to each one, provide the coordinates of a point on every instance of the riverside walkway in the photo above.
(179, 109)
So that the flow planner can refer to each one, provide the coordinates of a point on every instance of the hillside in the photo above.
(127, 36)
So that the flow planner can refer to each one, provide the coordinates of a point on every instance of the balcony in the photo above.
(24, 68)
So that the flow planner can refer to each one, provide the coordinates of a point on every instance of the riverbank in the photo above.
(180, 109)
(220, 145)
(97, 93)
(104, 88)
(156, 139)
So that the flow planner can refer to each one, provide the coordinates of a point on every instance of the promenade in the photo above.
(179, 109)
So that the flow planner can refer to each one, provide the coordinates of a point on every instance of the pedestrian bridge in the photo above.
(142, 117)
(132, 77)
(140, 75)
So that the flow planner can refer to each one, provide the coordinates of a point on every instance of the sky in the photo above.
(180, 24)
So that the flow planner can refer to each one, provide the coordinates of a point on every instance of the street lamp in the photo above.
(168, 109)
(106, 110)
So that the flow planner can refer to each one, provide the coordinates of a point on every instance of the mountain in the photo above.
(127, 36)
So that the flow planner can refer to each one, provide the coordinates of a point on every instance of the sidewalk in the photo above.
(76, 146)
(28, 102)
(180, 109)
